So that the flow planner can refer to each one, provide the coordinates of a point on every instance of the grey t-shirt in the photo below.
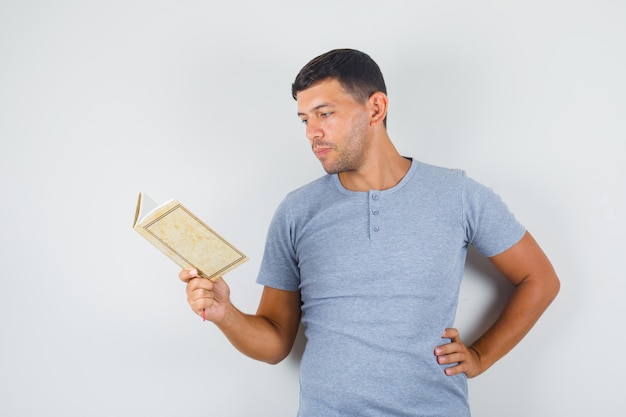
(379, 274)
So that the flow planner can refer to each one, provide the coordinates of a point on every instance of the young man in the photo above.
(370, 256)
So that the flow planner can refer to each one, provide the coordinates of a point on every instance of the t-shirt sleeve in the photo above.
(279, 265)
(490, 226)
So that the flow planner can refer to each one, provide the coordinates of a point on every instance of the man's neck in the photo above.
(380, 173)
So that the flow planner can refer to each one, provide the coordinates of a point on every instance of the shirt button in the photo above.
(376, 228)
(375, 212)
(375, 197)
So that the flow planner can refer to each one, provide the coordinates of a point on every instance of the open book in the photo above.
(184, 238)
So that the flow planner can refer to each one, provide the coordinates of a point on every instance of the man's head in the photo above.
(343, 104)
(357, 73)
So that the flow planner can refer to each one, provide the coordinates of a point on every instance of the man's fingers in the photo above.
(453, 370)
(452, 334)
(452, 358)
(201, 304)
(187, 274)
(199, 284)
(199, 292)
(455, 344)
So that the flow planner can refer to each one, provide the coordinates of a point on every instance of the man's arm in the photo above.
(536, 285)
(267, 336)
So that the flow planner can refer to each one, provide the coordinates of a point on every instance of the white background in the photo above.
(191, 100)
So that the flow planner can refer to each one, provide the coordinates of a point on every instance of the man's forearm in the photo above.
(255, 336)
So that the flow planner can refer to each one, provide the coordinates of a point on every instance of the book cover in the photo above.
(185, 239)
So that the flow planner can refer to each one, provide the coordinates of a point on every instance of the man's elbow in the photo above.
(554, 286)
(278, 352)
(547, 287)
(275, 360)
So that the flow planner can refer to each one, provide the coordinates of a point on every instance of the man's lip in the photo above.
(321, 151)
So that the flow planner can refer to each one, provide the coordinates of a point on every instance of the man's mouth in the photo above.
(321, 150)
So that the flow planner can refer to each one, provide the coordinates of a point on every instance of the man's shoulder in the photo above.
(438, 170)
(306, 200)
(437, 175)
(312, 189)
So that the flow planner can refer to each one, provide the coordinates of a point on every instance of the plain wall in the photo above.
(191, 100)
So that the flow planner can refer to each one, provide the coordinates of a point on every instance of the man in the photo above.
(370, 256)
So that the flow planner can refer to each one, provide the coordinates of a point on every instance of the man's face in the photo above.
(336, 125)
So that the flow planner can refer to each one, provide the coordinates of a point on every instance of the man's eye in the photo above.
(326, 114)
(304, 121)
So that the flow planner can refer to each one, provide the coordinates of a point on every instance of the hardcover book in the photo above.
(185, 239)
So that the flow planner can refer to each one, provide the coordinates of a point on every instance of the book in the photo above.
(184, 238)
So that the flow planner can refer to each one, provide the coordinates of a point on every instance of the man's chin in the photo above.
(335, 169)
(330, 169)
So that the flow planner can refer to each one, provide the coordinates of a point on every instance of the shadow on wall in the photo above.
(484, 293)
(298, 347)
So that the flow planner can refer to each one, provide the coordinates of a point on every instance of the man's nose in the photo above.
(313, 130)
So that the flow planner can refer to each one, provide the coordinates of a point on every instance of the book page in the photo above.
(146, 205)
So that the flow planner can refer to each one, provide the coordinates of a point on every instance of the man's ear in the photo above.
(378, 103)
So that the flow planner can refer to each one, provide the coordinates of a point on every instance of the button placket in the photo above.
(374, 213)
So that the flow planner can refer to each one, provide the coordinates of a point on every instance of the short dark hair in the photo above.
(357, 73)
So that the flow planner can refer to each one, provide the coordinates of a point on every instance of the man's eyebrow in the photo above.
(319, 106)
